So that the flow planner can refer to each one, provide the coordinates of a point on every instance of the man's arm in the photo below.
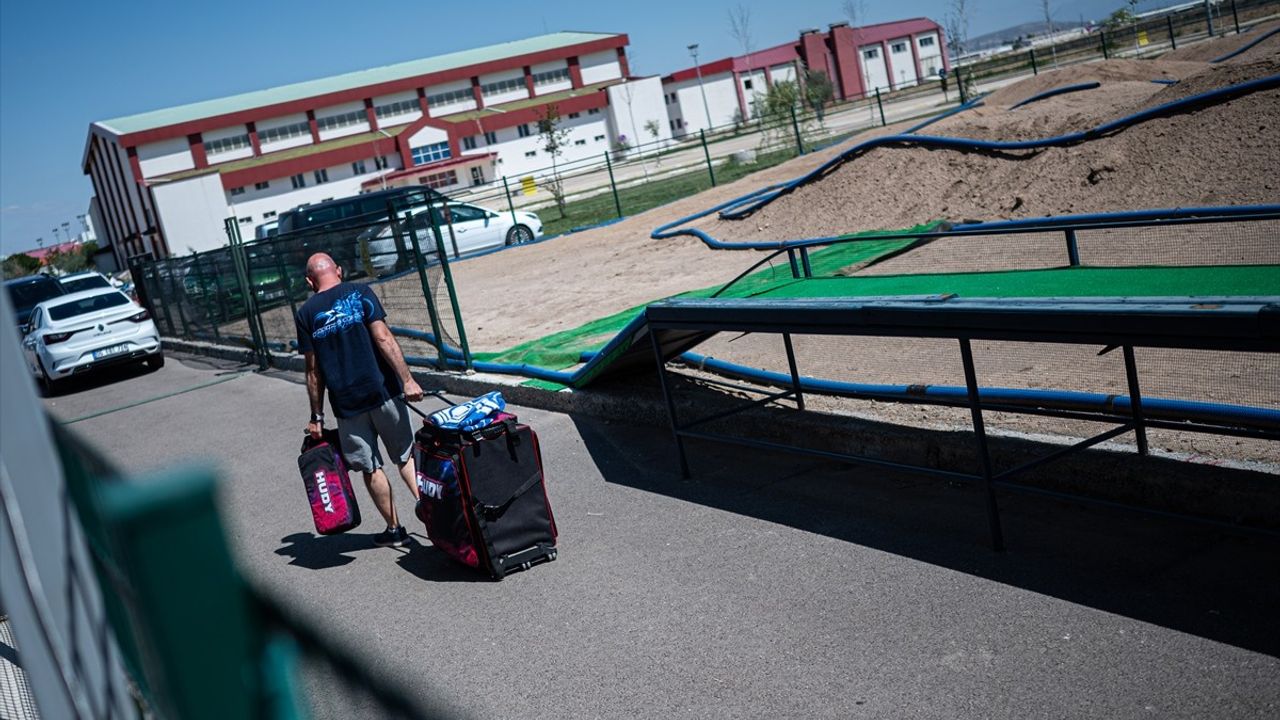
(390, 349)
(315, 393)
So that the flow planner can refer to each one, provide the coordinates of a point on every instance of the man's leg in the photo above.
(392, 423)
(380, 491)
(360, 448)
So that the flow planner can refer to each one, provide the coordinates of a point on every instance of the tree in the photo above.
(19, 265)
(76, 259)
(776, 108)
(818, 91)
(652, 127)
(1118, 19)
(554, 138)
(740, 27)
(1048, 29)
(957, 23)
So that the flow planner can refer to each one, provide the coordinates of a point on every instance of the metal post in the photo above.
(173, 288)
(1102, 37)
(795, 374)
(707, 153)
(795, 267)
(959, 87)
(880, 104)
(1035, 70)
(1235, 16)
(666, 397)
(257, 336)
(617, 204)
(420, 262)
(1073, 251)
(979, 430)
(1173, 41)
(453, 303)
(795, 128)
(510, 205)
(804, 262)
(1135, 399)
(168, 314)
(1208, 16)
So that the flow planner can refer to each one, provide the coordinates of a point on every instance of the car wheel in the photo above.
(519, 235)
(48, 386)
(155, 362)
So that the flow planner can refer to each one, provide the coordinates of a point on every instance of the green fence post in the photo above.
(1235, 15)
(202, 282)
(164, 304)
(257, 336)
(880, 104)
(453, 298)
(421, 263)
(177, 300)
(1102, 39)
(1168, 20)
(617, 204)
(1208, 18)
(199, 633)
(1035, 70)
(959, 87)
(795, 128)
(707, 154)
(510, 205)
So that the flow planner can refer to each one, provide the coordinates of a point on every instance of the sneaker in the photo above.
(391, 538)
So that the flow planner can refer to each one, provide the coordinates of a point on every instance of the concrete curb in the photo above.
(1111, 472)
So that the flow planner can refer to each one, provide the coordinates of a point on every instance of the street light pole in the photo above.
(693, 50)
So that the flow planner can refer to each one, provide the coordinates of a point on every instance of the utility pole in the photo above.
(693, 50)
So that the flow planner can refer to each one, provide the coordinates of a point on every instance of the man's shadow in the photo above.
(418, 557)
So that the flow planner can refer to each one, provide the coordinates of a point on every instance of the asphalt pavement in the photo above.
(768, 586)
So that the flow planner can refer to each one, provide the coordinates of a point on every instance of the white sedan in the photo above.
(75, 333)
(474, 229)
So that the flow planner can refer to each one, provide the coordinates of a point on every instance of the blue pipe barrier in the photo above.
(741, 207)
(1122, 216)
(1164, 81)
(1234, 53)
(1056, 91)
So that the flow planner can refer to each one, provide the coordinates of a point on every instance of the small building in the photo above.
(858, 60)
(165, 180)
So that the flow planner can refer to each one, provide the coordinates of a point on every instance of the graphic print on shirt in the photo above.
(345, 312)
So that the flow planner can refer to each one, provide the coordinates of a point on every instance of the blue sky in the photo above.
(66, 64)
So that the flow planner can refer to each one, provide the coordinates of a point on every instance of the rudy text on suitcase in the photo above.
(350, 351)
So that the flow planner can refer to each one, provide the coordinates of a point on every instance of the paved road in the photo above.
(768, 587)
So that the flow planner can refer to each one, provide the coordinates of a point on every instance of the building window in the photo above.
(477, 176)
(679, 123)
(357, 168)
(579, 142)
(551, 76)
(440, 179)
(227, 144)
(298, 181)
(380, 162)
(450, 97)
(284, 132)
(672, 123)
(246, 220)
(523, 130)
(598, 138)
(262, 185)
(898, 47)
(503, 86)
(401, 107)
(926, 41)
(469, 142)
(268, 215)
(491, 138)
(333, 122)
(593, 111)
(871, 54)
(321, 175)
(531, 153)
(431, 153)
(746, 84)
(237, 191)
(573, 116)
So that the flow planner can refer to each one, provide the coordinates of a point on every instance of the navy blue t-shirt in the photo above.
(334, 324)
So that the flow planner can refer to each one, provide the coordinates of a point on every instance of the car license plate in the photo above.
(109, 351)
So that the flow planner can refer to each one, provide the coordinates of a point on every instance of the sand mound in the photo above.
(1107, 71)
(1206, 51)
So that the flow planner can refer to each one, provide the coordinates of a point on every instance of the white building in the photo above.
(165, 180)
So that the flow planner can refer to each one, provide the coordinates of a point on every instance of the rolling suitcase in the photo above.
(324, 475)
(482, 495)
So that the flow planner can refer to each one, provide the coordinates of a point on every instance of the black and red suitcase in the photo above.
(483, 496)
(324, 475)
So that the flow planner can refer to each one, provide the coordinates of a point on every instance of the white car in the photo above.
(88, 280)
(475, 229)
(75, 333)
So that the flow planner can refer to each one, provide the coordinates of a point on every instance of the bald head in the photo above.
(322, 272)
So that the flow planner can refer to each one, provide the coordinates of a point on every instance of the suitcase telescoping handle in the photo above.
(438, 394)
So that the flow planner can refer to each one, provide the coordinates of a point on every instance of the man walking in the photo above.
(349, 349)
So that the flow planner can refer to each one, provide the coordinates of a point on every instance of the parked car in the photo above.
(27, 292)
(87, 280)
(353, 211)
(475, 228)
(75, 333)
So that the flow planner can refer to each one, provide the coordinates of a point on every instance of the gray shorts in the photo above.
(359, 435)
